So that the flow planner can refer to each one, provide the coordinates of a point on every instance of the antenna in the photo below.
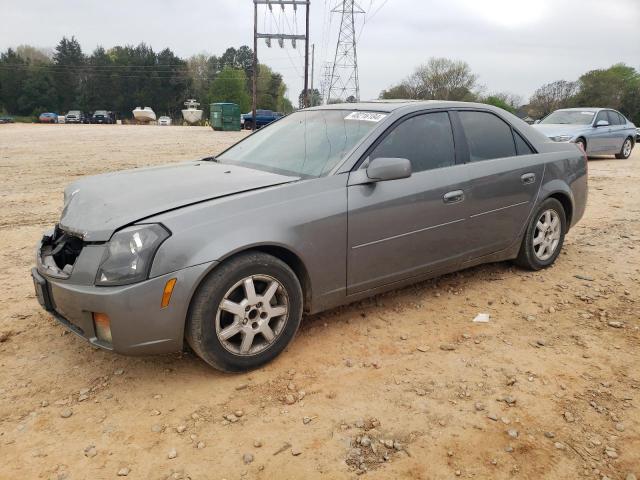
(344, 83)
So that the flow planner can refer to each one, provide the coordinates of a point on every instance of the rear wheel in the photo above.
(245, 312)
(544, 237)
(627, 148)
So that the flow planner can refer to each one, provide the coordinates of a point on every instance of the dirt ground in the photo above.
(404, 385)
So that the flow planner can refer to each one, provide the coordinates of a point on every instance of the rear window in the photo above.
(488, 136)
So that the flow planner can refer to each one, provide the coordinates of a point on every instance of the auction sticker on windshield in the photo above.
(365, 116)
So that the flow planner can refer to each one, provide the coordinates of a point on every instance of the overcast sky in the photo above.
(513, 45)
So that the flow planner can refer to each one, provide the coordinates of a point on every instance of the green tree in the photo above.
(230, 86)
(396, 92)
(13, 76)
(34, 55)
(498, 102)
(552, 96)
(38, 93)
(101, 88)
(68, 72)
(315, 98)
(438, 79)
(616, 87)
(506, 101)
(175, 81)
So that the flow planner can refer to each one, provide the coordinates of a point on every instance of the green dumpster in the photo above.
(225, 117)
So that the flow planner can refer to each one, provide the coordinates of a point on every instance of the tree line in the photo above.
(123, 77)
(616, 87)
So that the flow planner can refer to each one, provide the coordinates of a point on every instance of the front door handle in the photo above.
(456, 196)
(528, 178)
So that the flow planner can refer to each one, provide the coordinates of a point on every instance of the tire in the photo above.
(625, 151)
(248, 125)
(531, 255)
(582, 144)
(206, 321)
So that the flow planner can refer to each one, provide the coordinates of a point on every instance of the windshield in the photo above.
(569, 117)
(306, 143)
(100, 112)
(74, 112)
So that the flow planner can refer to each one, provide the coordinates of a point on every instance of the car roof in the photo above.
(584, 109)
(393, 105)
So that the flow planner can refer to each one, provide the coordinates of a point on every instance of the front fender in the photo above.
(307, 218)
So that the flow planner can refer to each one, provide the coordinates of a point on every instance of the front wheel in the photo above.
(626, 150)
(245, 312)
(544, 237)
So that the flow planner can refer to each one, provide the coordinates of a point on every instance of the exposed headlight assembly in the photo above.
(129, 254)
(562, 138)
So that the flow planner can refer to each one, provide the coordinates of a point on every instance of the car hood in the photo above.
(96, 206)
(555, 130)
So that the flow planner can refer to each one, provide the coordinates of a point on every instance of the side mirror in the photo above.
(383, 169)
(602, 123)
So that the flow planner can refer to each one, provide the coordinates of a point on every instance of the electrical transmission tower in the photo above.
(326, 80)
(344, 83)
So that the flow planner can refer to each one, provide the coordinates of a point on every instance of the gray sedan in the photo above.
(323, 207)
(598, 131)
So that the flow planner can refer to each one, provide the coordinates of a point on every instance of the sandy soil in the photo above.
(550, 388)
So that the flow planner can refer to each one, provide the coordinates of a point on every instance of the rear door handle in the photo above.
(456, 196)
(528, 178)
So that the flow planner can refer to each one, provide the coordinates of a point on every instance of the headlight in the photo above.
(562, 138)
(129, 254)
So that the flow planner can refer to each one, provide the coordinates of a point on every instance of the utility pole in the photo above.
(254, 102)
(280, 38)
(344, 81)
(313, 62)
(306, 60)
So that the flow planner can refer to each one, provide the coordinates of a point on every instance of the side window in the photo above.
(602, 115)
(522, 147)
(623, 119)
(425, 140)
(614, 118)
(488, 136)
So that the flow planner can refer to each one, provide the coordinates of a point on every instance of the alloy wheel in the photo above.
(626, 149)
(546, 235)
(251, 315)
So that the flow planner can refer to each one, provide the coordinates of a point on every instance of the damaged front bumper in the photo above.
(138, 323)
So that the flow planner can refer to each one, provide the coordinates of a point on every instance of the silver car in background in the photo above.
(598, 131)
(324, 207)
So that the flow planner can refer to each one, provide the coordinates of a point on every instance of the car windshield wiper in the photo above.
(210, 159)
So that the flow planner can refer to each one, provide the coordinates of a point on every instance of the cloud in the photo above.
(513, 45)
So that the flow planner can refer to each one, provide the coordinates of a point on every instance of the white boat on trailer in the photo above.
(192, 114)
(144, 115)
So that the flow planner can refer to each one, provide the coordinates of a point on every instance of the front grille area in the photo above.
(61, 250)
